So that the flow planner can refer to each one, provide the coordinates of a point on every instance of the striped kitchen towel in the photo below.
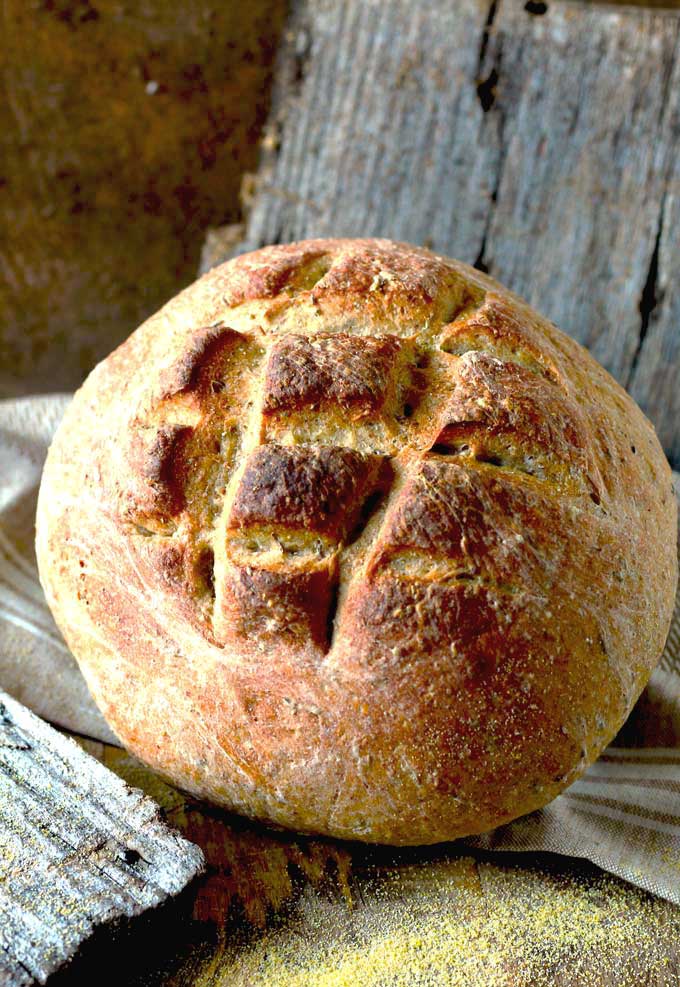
(36, 667)
(623, 815)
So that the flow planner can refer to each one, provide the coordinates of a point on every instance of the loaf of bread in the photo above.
(349, 539)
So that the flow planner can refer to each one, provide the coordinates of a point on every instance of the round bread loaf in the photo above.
(349, 539)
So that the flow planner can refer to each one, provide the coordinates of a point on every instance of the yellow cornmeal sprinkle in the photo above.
(434, 926)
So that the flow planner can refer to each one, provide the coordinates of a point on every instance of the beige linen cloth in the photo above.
(623, 815)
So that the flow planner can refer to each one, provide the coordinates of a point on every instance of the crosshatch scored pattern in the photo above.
(367, 537)
(296, 451)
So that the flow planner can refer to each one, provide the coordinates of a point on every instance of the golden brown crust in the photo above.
(318, 490)
(349, 539)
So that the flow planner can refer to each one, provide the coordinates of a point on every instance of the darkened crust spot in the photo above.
(267, 275)
(496, 329)
(318, 489)
(492, 398)
(153, 459)
(457, 625)
(289, 607)
(488, 522)
(352, 372)
(505, 396)
(198, 364)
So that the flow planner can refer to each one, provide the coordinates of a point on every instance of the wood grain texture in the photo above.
(542, 147)
(78, 848)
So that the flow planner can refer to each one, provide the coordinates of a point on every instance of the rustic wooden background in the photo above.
(537, 141)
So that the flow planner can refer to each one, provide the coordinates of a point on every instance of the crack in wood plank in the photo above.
(650, 299)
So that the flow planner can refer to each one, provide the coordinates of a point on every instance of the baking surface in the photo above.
(280, 910)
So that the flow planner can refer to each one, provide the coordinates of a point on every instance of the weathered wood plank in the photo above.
(78, 848)
(654, 379)
(541, 146)
(588, 102)
(369, 98)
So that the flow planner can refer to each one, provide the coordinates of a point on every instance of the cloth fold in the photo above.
(623, 814)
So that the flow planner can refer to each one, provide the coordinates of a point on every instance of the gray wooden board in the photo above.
(543, 148)
(78, 848)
